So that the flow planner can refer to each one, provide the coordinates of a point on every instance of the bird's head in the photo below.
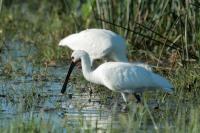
(77, 55)
(61, 43)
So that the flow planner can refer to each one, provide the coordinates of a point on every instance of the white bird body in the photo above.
(121, 76)
(98, 43)
(129, 78)
(126, 77)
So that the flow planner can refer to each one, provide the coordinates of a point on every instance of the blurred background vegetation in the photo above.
(161, 32)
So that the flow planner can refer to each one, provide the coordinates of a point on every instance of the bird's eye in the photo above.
(72, 57)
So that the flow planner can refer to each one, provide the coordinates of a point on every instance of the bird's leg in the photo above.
(124, 97)
(125, 108)
(90, 93)
(137, 97)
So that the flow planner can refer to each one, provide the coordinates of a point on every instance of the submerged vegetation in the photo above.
(165, 34)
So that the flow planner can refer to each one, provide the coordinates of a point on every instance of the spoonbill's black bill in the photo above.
(67, 77)
(120, 76)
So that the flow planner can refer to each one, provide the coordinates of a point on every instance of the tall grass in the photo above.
(152, 29)
(1, 1)
(30, 123)
(148, 26)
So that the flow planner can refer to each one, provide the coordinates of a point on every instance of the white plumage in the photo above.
(121, 76)
(98, 43)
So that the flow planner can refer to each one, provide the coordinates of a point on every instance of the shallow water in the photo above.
(27, 89)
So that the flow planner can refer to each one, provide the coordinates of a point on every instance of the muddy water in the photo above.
(27, 90)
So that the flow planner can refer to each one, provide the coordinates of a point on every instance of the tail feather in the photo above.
(145, 66)
(163, 83)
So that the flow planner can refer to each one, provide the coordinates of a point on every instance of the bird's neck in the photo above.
(88, 73)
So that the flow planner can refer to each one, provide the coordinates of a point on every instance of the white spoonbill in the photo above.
(118, 76)
(98, 43)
